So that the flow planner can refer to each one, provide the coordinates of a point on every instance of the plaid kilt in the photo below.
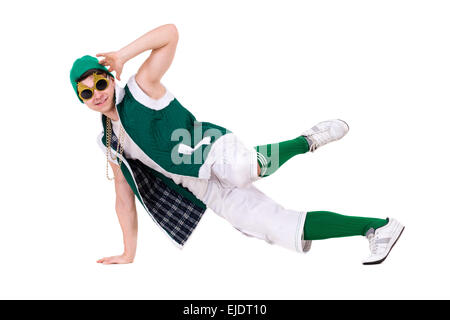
(172, 211)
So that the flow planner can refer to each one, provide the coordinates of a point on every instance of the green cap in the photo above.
(82, 65)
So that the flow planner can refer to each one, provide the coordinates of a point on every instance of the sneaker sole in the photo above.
(381, 260)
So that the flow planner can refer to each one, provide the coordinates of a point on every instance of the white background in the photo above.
(267, 71)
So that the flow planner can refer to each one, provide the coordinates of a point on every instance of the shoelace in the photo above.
(317, 139)
(373, 245)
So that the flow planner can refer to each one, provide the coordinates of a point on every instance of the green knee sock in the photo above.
(272, 156)
(325, 224)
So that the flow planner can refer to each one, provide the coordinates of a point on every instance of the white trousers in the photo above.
(231, 162)
(230, 193)
(253, 213)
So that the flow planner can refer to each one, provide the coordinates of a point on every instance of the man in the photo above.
(177, 167)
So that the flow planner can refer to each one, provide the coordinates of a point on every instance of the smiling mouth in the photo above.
(102, 102)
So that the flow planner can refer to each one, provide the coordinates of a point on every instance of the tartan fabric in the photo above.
(176, 214)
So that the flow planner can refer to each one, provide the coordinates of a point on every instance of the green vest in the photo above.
(159, 133)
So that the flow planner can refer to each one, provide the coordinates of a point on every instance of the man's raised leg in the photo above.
(273, 156)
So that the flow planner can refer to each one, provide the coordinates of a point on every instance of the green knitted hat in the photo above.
(82, 65)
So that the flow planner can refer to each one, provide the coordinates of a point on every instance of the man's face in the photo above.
(102, 101)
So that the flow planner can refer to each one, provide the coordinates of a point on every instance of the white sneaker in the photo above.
(325, 132)
(382, 240)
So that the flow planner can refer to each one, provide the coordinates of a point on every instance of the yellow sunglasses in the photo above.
(100, 84)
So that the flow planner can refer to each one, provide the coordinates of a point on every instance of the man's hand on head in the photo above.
(113, 61)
